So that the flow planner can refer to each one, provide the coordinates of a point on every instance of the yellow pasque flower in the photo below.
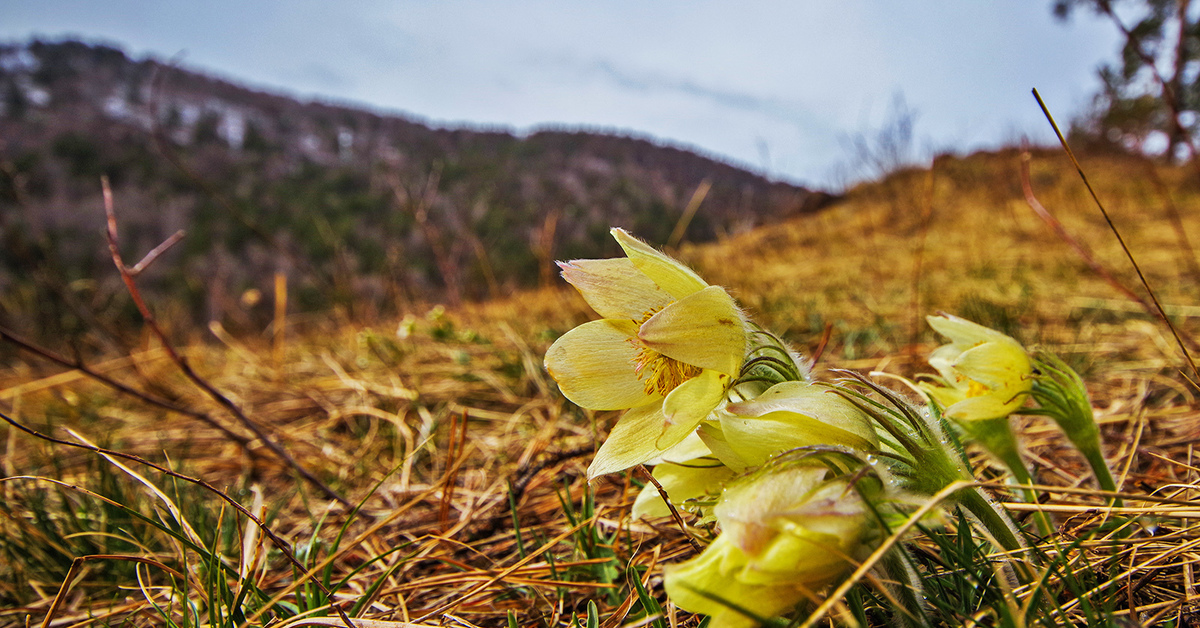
(667, 348)
(984, 373)
(785, 534)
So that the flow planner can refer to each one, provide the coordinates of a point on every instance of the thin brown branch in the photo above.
(155, 252)
(1158, 308)
(186, 368)
(675, 516)
(77, 364)
(1171, 88)
(1080, 248)
(279, 542)
(1185, 245)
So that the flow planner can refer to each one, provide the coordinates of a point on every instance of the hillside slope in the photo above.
(365, 210)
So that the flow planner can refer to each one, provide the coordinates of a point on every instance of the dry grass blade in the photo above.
(77, 565)
(838, 594)
(154, 400)
(1079, 247)
(279, 542)
(1158, 308)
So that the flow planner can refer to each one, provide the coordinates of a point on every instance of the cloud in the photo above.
(654, 84)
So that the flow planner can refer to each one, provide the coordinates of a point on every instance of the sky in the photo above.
(779, 87)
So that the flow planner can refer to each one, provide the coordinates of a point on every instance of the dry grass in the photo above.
(380, 417)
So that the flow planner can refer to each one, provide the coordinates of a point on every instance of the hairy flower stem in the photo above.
(1091, 451)
(997, 438)
(998, 524)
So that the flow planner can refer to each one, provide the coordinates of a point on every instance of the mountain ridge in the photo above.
(365, 209)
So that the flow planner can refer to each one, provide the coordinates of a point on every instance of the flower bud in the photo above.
(787, 532)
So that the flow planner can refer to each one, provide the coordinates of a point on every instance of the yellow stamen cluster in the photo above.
(659, 372)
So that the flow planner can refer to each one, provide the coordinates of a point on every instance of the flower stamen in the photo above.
(660, 373)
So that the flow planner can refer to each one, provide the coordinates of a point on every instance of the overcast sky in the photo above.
(775, 86)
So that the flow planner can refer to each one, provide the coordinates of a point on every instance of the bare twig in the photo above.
(185, 366)
(1185, 245)
(279, 542)
(1158, 308)
(418, 204)
(155, 252)
(77, 364)
(662, 492)
(1171, 88)
(1080, 248)
(689, 212)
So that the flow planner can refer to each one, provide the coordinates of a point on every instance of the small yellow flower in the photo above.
(667, 348)
(984, 373)
(785, 534)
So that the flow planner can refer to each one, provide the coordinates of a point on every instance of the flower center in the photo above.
(660, 373)
(657, 371)
(975, 389)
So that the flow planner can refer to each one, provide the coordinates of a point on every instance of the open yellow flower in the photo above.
(984, 373)
(785, 534)
(667, 348)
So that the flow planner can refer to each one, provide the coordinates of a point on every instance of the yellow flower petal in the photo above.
(615, 288)
(961, 331)
(714, 438)
(688, 405)
(593, 365)
(681, 481)
(678, 280)
(983, 407)
(704, 330)
(791, 415)
(706, 584)
(801, 414)
(944, 396)
(943, 359)
(631, 441)
(756, 440)
(689, 448)
(997, 365)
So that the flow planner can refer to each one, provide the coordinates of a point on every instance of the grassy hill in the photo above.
(468, 464)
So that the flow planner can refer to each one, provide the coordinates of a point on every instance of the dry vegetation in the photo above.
(439, 424)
